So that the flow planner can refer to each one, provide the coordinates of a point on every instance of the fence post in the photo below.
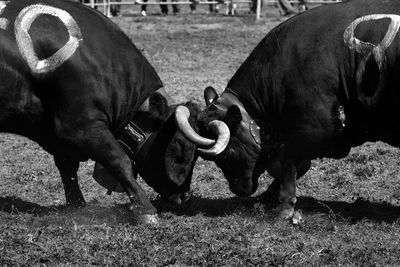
(258, 11)
(92, 3)
(108, 8)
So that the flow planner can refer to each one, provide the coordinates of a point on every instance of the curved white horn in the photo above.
(222, 131)
(182, 114)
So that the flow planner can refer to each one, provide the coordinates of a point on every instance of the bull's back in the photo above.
(324, 50)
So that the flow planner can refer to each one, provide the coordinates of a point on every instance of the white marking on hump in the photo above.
(22, 25)
(366, 48)
(3, 21)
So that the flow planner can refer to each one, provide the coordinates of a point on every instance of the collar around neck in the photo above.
(140, 128)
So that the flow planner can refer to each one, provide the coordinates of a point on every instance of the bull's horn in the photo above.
(182, 114)
(223, 133)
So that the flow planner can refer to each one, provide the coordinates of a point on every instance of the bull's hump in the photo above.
(48, 35)
(45, 33)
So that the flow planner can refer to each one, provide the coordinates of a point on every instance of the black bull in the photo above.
(71, 81)
(315, 86)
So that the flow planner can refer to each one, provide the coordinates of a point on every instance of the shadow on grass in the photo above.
(15, 205)
(93, 213)
(208, 207)
(354, 211)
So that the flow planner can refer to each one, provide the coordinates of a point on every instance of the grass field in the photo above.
(350, 206)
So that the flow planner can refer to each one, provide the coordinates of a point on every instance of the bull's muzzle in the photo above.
(243, 187)
(178, 199)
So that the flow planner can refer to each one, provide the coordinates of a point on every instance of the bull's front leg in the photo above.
(287, 189)
(68, 171)
(119, 164)
(275, 170)
(282, 191)
(100, 145)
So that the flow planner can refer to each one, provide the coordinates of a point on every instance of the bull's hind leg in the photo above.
(68, 171)
(100, 145)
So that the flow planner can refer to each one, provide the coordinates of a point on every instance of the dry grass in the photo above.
(350, 206)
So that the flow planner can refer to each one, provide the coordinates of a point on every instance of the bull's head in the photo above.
(232, 137)
(165, 160)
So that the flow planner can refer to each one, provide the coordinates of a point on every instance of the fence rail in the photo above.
(308, 2)
(229, 3)
(159, 3)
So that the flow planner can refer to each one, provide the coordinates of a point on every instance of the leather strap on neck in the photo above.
(132, 139)
(133, 136)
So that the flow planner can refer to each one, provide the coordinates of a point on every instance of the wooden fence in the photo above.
(230, 4)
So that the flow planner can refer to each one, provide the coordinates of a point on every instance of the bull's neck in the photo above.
(145, 106)
(245, 101)
(251, 101)
(229, 98)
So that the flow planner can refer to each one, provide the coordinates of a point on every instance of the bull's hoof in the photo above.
(297, 218)
(150, 219)
(285, 211)
(286, 214)
(290, 214)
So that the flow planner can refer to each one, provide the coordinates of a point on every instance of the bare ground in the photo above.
(350, 206)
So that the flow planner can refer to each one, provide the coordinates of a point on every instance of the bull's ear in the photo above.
(210, 95)
(158, 104)
(233, 117)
